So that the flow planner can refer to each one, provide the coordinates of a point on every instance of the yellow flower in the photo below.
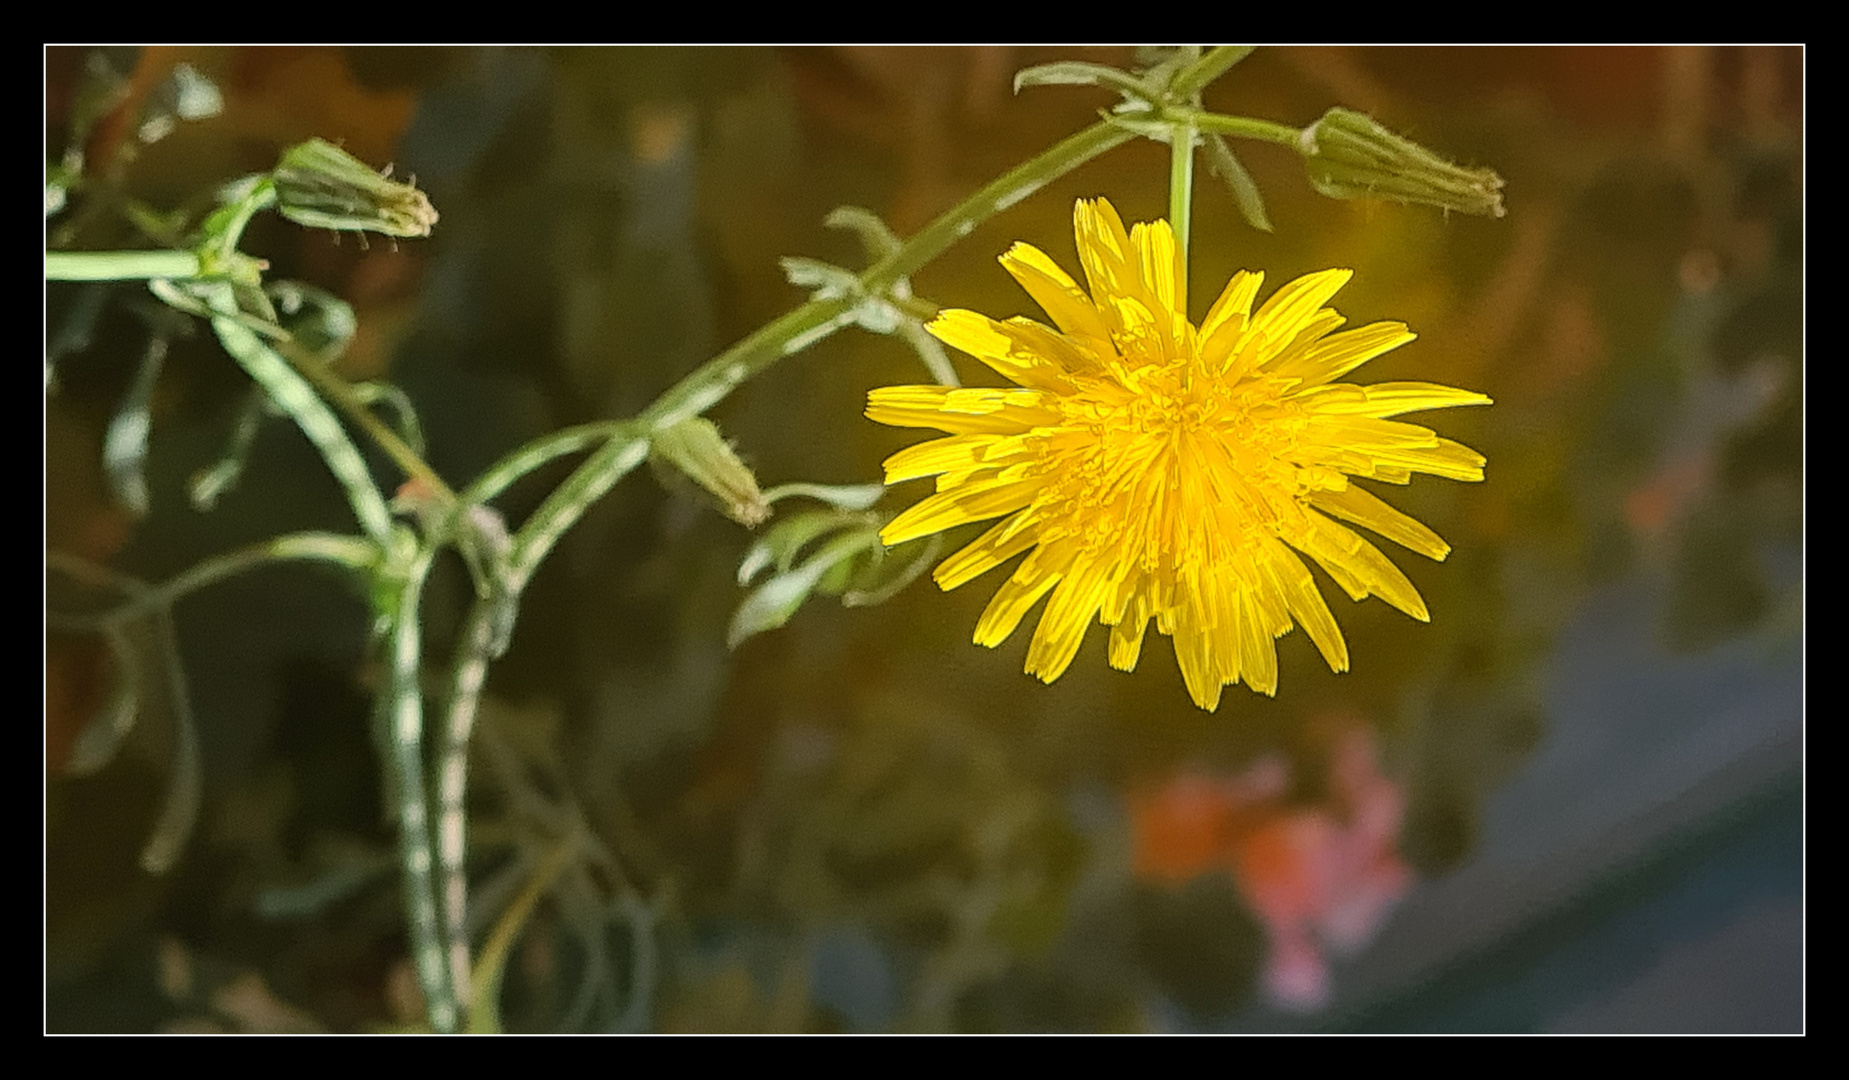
(1150, 468)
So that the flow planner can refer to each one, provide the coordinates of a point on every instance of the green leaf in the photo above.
(1158, 130)
(1192, 79)
(829, 282)
(772, 604)
(839, 496)
(125, 445)
(1226, 166)
(1081, 73)
(318, 320)
(221, 476)
(96, 745)
(880, 580)
(875, 235)
(782, 542)
(931, 351)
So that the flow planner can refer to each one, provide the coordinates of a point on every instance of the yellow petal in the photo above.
(1010, 603)
(1295, 303)
(948, 509)
(1362, 508)
(1002, 542)
(1056, 293)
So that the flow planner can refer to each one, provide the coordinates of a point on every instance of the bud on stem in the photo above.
(321, 186)
(695, 448)
(1349, 155)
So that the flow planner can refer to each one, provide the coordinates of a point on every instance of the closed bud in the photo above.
(696, 449)
(321, 186)
(1349, 155)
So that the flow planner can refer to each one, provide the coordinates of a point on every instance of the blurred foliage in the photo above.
(858, 821)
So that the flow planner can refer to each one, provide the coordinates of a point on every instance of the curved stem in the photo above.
(291, 392)
(484, 1009)
(349, 401)
(997, 195)
(621, 446)
(180, 805)
(311, 368)
(508, 471)
(710, 383)
(349, 551)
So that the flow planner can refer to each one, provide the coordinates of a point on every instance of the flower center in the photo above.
(1174, 462)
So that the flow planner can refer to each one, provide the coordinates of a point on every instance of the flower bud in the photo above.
(1349, 155)
(321, 186)
(695, 448)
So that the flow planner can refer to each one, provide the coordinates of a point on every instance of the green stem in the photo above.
(468, 674)
(1240, 127)
(1181, 192)
(1194, 78)
(119, 265)
(350, 403)
(349, 551)
(508, 471)
(709, 384)
(404, 716)
(997, 195)
(310, 367)
(624, 445)
(292, 393)
(609, 463)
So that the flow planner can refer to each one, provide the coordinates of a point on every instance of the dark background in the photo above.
(862, 821)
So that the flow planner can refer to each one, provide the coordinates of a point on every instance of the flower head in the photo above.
(321, 186)
(1149, 468)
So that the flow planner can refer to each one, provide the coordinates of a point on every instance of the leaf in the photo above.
(829, 281)
(931, 351)
(180, 803)
(1226, 166)
(208, 484)
(881, 580)
(318, 320)
(408, 427)
(1081, 73)
(875, 235)
(96, 745)
(782, 542)
(772, 604)
(840, 496)
(125, 445)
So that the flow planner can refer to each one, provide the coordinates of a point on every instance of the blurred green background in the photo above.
(1572, 802)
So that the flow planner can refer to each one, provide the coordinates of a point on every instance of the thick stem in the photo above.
(467, 677)
(1181, 194)
(291, 393)
(119, 265)
(404, 716)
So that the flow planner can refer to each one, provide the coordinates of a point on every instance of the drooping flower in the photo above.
(1149, 468)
